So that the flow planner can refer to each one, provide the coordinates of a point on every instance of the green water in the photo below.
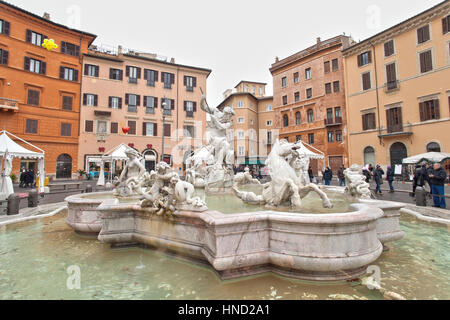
(35, 255)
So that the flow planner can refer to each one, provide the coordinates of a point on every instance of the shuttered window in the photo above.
(151, 103)
(190, 83)
(366, 83)
(132, 126)
(91, 70)
(394, 120)
(336, 86)
(389, 48)
(4, 27)
(114, 127)
(308, 74)
(309, 93)
(67, 103)
(327, 88)
(368, 121)
(151, 76)
(115, 74)
(66, 130)
(311, 138)
(4, 57)
(284, 82)
(423, 34)
(429, 110)
(446, 24)
(310, 115)
(31, 126)
(168, 79)
(364, 58)
(326, 66)
(167, 130)
(34, 65)
(391, 76)
(68, 74)
(89, 126)
(426, 61)
(335, 64)
(115, 103)
(297, 96)
(70, 49)
(35, 38)
(90, 100)
(296, 79)
(285, 100)
(33, 97)
(149, 129)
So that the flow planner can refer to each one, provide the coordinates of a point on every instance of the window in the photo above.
(338, 113)
(70, 49)
(310, 116)
(389, 48)
(91, 70)
(426, 61)
(285, 100)
(368, 121)
(66, 130)
(330, 114)
(132, 101)
(68, 74)
(394, 120)
(253, 90)
(168, 79)
(89, 126)
(90, 100)
(391, 76)
(167, 130)
(115, 103)
(336, 86)
(190, 83)
(326, 66)
(151, 76)
(67, 103)
(114, 127)
(311, 138)
(35, 38)
(36, 66)
(102, 127)
(269, 137)
(167, 105)
(132, 126)
(433, 147)
(4, 27)
(296, 77)
(190, 107)
(150, 104)
(33, 97)
(335, 64)
(269, 107)
(260, 91)
(241, 120)
(308, 74)
(423, 34)
(241, 135)
(429, 110)
(366, 82)
(364, 58)
(4, 57)
(240, 104)
(298, 118)
(446, 24)
(330, 136)
(246, 88)
(269, 123)
(298, 138)
(149, 129)
(284, 82)
(241, 151)
(309, 93)
(338, 136)
(31, 126)
(286, 120)
(115, 74)
(133, 74)
(297, 96)
(327, 88)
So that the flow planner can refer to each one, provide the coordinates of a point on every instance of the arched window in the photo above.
(298, 118)
(285, 121)
(64, 167)
(369, 156)
(433, 147)
(310, 116)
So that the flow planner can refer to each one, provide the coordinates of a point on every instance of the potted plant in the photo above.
(81, 173)
(13, 178)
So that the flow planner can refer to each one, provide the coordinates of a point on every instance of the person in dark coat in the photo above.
(437, 179)
(378, 176)
(29, 178)
(419, 178)
(311, 174)
(341, 176)
(390, 174)
(327, 176)
(22, 178)
(366, 173)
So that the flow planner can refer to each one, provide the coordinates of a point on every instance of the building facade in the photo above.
(40, 89)
(309, 100)
(124, 99)
(253, 127)
(398, 90)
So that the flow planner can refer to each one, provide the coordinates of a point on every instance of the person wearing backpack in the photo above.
(378, 176)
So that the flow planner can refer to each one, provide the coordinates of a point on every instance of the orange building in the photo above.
(40, 89)
(309, 99)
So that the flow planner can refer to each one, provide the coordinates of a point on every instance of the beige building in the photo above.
(124, 98)
(398, 90)
(254, 129)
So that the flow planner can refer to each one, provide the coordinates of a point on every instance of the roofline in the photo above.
(368, 40)
(48, 21)
(111, 58)
(237, 94)
(254, 82)
(265, 98)
(167, 63)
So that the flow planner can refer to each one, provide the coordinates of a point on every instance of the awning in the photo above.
(118, 153)
(15, 150)
(435, 157)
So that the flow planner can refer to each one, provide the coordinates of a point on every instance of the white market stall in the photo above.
(10, 150)
(434, 157)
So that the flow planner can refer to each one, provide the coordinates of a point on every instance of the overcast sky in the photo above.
(237, 39)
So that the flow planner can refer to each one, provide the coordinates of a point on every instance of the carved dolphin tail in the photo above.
(248, 197)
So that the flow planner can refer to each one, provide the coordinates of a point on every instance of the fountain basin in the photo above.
(328, 247)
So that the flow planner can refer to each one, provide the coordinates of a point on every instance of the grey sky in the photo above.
(237, 39)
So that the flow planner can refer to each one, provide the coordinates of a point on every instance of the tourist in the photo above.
(341, 176)
(29, 178)
(327, 176)
(419, 178)
(22, 178)
(366, 173)
(378, 176)
(428, 171)
(311, 174)
(438, 178)
(390, 174)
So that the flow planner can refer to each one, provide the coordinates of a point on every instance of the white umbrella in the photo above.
(435, 157)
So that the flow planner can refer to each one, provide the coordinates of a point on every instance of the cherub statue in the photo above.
(131, 177)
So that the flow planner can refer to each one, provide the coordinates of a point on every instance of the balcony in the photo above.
(189, 114)
(9, 104)
(392, 86)
(395, 131)
(333, 122)
(132, 80)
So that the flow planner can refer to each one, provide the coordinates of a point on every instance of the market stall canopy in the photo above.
(118, 153)
(7, 145)
(303, 150)
(435, 157)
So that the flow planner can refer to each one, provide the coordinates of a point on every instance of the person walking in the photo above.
(419, 178)
(22, 178)
(327, 176)
(438, 178)
(341, 176)
(366, 173)
(378, 176)
(390, 174)
(311, 174)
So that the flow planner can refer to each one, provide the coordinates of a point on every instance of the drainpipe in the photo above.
(377, 91)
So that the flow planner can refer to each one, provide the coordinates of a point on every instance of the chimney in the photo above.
(119, 50)
(277, 59)
(172, 60)
(46, 16)
(318, 40)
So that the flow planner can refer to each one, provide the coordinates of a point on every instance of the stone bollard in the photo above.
(33, 199)
(88, 189)
(13, 204)
(421, 200)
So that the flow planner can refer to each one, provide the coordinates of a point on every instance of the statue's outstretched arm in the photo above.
(204, 105)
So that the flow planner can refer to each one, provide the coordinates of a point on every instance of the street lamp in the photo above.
(164, 108)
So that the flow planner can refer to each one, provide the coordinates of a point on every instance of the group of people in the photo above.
(327, 175)
(27, 179)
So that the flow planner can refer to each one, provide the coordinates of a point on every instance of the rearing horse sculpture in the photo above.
(288, 186)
